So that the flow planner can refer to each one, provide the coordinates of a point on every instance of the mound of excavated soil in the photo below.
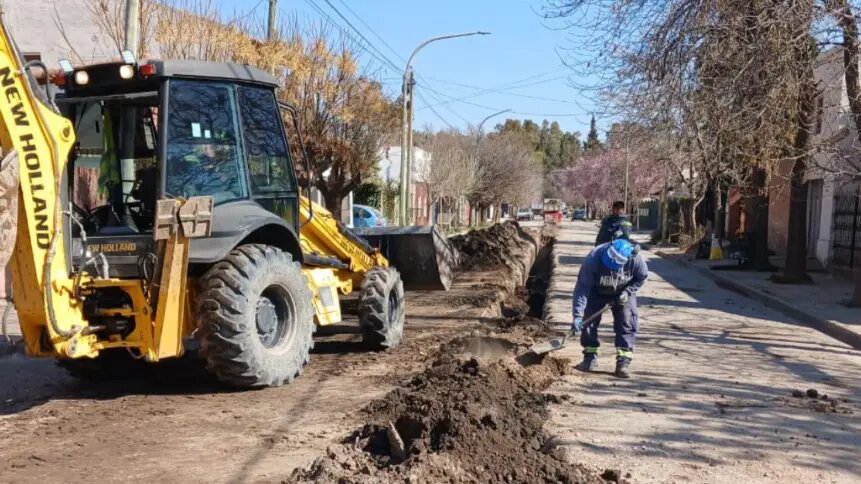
(475, 415)
(500, 245)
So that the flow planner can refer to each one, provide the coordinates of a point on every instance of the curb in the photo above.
(825, 326)
(553, 289)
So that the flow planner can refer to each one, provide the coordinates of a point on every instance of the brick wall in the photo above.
(778, 208)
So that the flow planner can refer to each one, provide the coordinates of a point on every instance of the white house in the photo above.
(390, 171)
(834, 128)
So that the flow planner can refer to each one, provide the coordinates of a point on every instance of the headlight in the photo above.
(82, 78)
(127, 71)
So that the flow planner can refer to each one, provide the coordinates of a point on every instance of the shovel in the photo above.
(555, 344)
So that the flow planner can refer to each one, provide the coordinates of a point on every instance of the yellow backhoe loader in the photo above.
(158, 205)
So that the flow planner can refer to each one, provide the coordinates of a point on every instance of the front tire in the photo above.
(381, 308)
(255, 319)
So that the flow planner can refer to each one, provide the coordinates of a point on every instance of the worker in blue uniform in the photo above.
(612, 274)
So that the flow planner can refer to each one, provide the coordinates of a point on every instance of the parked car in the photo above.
(524, 214)
(578, 214)
(365, 216)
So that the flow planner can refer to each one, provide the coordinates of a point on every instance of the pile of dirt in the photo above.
(501, 245)
(475, 415)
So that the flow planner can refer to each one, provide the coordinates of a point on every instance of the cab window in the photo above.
(204, 155)
(265, 146)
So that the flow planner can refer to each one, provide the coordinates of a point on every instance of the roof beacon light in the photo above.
(127, 71)
(82, 78)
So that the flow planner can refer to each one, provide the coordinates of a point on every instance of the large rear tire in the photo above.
(254, 317)
(381, 308)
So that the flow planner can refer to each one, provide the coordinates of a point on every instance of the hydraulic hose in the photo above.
(58, 220)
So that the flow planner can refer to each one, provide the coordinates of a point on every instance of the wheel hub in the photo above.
(267, 322)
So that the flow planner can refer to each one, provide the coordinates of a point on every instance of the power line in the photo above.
(420, 96)
(503, 91)
(362, 36)
(439, 102)
(497, 108)
(378, 36)
(332, 21)
(381, 39)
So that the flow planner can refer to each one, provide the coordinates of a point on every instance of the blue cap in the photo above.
(617, 254)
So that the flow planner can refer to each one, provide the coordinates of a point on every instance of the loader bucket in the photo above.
(421, 254)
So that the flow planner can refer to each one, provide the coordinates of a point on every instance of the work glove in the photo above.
(622, 298)
(577, 325)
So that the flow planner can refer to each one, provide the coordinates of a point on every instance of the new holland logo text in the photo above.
(12, 96)
(115, 247)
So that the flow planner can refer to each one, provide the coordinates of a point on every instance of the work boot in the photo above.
(622, 370)
(589, 363)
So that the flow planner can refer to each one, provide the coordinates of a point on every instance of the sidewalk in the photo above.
(821, 305)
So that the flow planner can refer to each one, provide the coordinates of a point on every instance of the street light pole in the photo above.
(481, 124)
(627, 168)
(406, 125)
(270, 30)
(132, 37)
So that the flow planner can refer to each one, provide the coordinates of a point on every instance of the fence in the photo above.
(846, 230)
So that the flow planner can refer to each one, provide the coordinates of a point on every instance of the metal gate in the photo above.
(846, 231)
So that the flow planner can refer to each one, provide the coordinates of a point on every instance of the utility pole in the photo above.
(627, 168)
(273, 10)
(406, 126)
(406, 97)
(132, 38)
(664, 206)
(410, 150)
(131, 43)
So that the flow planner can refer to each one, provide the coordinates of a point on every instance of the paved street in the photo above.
(712, 395)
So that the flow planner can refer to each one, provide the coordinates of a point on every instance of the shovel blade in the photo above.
(544, 348)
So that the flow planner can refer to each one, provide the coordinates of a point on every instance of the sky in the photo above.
(460, 81)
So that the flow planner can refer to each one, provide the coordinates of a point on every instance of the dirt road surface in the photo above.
(174, 424)
(712, 395)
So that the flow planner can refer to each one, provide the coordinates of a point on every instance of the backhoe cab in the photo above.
(160, 203)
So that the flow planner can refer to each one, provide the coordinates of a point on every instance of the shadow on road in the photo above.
(31, 382)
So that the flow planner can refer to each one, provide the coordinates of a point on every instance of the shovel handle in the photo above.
(588, 321)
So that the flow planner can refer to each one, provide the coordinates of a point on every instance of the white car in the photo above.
(524, 214)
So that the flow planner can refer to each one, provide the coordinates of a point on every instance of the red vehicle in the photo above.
(552, 211)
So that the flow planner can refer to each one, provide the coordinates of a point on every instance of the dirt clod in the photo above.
(812, 393)
(797, 393)
(612, 475)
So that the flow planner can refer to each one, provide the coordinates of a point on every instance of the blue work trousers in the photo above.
(625, 325)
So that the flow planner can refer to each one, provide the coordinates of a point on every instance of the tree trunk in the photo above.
(796, 245)
(756, 221)
(693, 216)
(332, 201)
(795, 270)
(718, 212)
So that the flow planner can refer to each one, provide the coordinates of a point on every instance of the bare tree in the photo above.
(727, 80)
